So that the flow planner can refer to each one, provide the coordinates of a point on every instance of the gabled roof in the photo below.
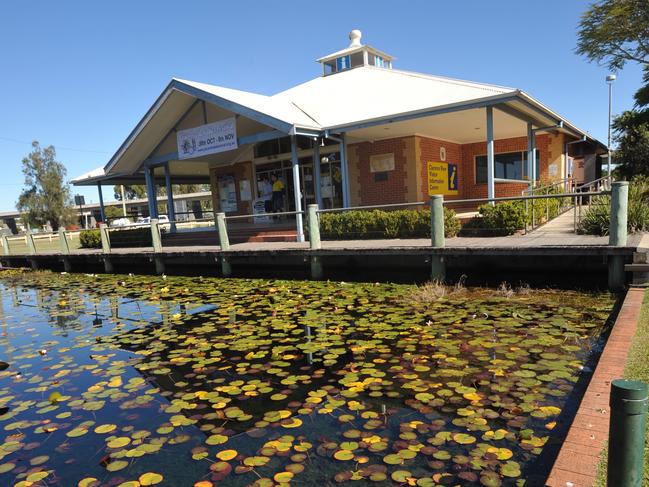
(267, 105)
(337, 103)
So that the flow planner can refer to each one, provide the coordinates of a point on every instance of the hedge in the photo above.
(495, 220)
(133, 237)
(363, 224)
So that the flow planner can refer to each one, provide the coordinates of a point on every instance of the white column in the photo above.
(297, 189)
(317, 180)
(491, 164)
(344, 172)
(531, 155)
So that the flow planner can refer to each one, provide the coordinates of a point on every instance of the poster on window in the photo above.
(227, 193)
(442, 178)
(210, 138)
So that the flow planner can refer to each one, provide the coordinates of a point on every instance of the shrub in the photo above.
(364, 224)
(597, 218)
(501, 219)
(90, 239)
(132, 237)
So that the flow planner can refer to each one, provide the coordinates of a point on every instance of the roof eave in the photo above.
(569, 127)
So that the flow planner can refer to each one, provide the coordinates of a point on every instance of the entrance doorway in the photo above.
(330, 182)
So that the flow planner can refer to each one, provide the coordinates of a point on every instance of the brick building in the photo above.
(361, 133)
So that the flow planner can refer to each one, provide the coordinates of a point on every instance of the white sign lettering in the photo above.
(207, 139)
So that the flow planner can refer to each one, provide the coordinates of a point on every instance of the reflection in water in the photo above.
(256, 382)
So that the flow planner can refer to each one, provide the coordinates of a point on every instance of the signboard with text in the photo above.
(210, 138)
(442, 178)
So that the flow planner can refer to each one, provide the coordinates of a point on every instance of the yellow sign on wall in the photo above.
(442, 178)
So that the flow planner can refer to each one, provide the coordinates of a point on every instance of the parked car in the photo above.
(146, 220)
(120, 222)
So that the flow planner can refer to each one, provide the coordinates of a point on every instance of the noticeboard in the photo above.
(442, 178)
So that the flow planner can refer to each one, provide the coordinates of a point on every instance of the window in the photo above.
(342, 63)
(509, 165)
(357, 59)
(281, 146)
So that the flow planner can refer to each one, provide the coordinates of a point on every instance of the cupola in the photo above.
(354, 56)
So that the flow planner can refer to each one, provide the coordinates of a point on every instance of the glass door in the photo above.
(331, 181)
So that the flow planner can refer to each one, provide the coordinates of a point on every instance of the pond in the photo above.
(134, 380)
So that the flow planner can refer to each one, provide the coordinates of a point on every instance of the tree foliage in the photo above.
(46, 196)
(632, 136)
(613, 32)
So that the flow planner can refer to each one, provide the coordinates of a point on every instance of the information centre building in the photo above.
(361, 133)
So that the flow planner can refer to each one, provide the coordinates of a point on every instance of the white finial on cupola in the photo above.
(355, 37)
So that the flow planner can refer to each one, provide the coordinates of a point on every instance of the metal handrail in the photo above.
(547, 186)
(453, 202)
(375, 207)
(258, 215)
(528, 197)
(605, 179)
(195, 220)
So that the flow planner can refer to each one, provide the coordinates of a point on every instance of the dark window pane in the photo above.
(481, 169)
(380, 176)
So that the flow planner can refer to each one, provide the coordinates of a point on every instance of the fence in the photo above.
(62, 241)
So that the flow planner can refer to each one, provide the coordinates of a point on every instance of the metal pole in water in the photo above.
(5, 245)
(618, 233)
(437, 220)
(619, 204)
(224, 242)
(628, 421)
(314, 227)
(438, 266)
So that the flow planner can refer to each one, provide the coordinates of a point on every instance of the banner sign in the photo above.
(207, 139)
(442, 178)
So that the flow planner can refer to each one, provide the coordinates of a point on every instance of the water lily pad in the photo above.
(150, 478)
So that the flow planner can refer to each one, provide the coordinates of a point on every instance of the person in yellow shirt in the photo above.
(278, 193)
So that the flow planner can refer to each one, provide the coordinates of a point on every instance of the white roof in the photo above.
(95, 173)
(276, 108)
(339, 102)
(368, 92)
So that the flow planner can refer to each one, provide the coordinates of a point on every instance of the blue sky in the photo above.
(80, 75)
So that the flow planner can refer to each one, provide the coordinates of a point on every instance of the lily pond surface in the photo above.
(129, 381)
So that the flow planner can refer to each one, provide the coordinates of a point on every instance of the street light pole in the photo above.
(609, 80)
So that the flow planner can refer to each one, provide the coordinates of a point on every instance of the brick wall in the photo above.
(429, 150)
(470, 189)
(394, 189)
(240, 171)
